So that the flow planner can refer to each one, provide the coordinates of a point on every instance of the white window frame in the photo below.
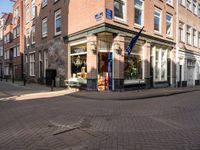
(33, 9)
(170, 2)
(188, 35)
(183, 30)
(27, 14)
(142, 10)
(194, 7)
(32, 64)
(44, 3)
(160, 20)
(171, 25)
(57, 16)
(33, 34)
(195, 36)
(124, 11)
(44, 31)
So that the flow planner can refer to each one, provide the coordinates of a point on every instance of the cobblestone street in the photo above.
(69, 123)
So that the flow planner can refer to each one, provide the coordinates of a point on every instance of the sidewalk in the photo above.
(133, 95)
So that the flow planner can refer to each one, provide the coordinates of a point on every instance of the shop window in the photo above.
(160, 66)
(79, 62)
(133, 65)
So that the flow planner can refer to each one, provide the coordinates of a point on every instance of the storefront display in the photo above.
(133, 64)
(79, 63)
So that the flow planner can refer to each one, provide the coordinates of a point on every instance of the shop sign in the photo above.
(99, 16)
(109, 14)
(78, 50)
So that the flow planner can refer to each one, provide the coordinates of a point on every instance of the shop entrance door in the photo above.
(190, 75)
(104, 71)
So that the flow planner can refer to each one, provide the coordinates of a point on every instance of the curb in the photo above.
(137, 97)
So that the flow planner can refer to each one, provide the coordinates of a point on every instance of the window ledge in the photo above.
(170, 5)
(158, 33)
(123, 22)
(170, 37)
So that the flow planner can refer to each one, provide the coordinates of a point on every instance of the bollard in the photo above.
(24, 79)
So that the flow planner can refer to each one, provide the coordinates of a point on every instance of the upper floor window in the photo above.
(169, 26)
(1, 34)
(139, 12)
(33, 9)
(169, 2)
(199, 9)
(181, 32)
(44, 27)
(189, 5)
(157, 20)
(27, 37)
(58, 22)
(188, 33)
(182, 2)
(195, 7)
(120, 9)
(27, 14)
(195, 38)
(44, 3)
(33, 35)
(199, 39)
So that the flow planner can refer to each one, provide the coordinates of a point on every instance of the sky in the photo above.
(5, 6)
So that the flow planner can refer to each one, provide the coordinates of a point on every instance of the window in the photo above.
(133, 67)
(160, 64)
(195, 38)
(195, 7)
(199, 10)
(157, 20)
(44, 3)
(169, 25)
(7, 38)
(182, 2)
(7, 55)
(33, 9)
(1, 34)
(189, 5)
(199, 39)
(14, 33)
(45, 62)
(58, 22)
(79, 62)
(119, 9)
(40, 64)
(15, 52)
(33, 35)
(1, 51)
(139, 12)
(18, 51)
(18, 31)
(27, 14)
(44, 27)
(169, 2)
(32, 64)
(188, 33)
(27, 37)
(181, 32)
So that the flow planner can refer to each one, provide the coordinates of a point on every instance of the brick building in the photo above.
(97, 43)
(188, 43)
(85, 42)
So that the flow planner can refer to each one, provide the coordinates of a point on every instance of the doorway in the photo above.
(105, 71)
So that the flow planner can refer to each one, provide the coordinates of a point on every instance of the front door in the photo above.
(104, 71)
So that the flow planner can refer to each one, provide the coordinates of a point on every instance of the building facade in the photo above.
(96, 47)
(188, 43)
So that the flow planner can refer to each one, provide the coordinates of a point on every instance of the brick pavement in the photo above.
(165, 123)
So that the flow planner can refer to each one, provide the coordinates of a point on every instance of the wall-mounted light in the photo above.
(117, 48)
(93, 47)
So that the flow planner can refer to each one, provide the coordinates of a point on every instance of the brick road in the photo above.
(68, 123)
